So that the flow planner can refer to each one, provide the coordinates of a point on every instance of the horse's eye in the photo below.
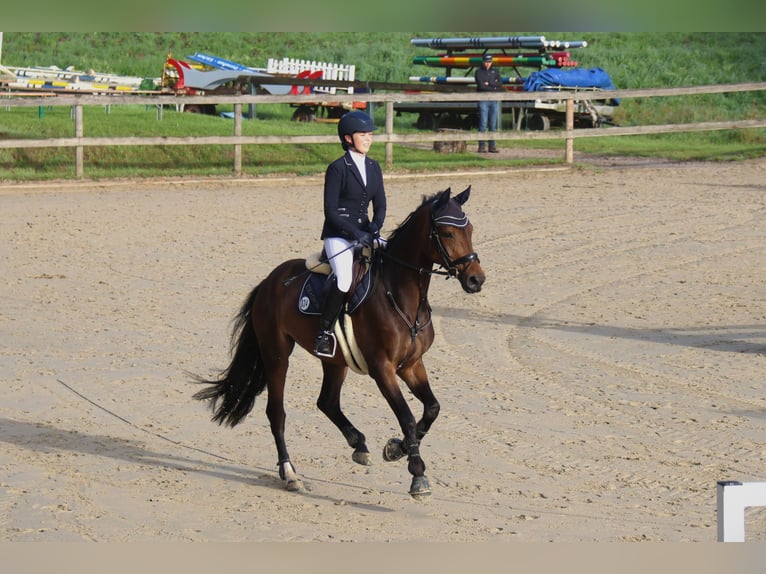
(447, 234)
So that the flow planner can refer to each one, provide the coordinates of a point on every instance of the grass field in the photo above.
(633, 60)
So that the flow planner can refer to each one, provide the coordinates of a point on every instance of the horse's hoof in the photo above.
(362, 458)
(294, 485)
(420, 488)
(394, 450)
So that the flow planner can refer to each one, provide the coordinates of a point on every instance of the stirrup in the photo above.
(325, 344)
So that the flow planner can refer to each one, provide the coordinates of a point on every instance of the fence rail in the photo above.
(389, 137)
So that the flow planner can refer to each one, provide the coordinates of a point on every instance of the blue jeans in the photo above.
(489, 114)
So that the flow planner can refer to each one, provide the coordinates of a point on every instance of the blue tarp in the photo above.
(570, 78)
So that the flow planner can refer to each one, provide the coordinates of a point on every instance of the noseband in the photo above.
(449, 264)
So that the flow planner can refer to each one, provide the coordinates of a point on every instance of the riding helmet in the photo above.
(352, 122)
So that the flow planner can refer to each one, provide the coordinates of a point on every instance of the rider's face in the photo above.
(362, 141)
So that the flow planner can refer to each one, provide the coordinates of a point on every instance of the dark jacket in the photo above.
(346, 199)
(488, 80)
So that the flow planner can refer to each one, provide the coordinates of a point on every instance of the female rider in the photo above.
(352, 183)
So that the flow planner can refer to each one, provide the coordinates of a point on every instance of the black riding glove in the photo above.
(365, 239)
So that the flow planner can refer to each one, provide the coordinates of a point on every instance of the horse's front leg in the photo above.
(388, 386)
(417, 380)
(329, 403)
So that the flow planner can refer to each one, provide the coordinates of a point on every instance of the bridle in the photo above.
(450, 265)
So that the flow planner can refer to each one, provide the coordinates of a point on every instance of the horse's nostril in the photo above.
(475, 282)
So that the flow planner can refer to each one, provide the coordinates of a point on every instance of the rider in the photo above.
(351, 183)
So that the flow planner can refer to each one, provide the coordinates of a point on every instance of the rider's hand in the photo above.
(365, 239)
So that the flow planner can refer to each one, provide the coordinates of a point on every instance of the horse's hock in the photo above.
(449, 146)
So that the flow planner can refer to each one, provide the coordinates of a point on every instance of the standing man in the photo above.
(488, 80)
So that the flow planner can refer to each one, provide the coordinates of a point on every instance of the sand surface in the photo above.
(611, 371)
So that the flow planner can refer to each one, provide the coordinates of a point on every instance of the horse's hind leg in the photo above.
(329, 403)
(275, 365)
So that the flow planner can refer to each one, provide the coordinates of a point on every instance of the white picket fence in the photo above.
(294, 67)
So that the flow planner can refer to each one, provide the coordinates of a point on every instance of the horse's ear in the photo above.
(441, 198)
(462, 197)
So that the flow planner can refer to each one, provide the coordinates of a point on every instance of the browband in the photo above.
(452, 220)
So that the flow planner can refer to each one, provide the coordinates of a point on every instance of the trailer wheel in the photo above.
(207, 109)
(539, 122)
(426, 121)
(303, 114)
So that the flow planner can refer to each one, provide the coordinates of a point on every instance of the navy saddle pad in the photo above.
(312, 293)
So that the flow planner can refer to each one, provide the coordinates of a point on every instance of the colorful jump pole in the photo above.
(470, 61)
(220, 63)
(461, 80)
(508, 42)
(533, 42)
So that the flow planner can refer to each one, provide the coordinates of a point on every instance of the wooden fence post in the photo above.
(238, 132)
(78, 151)
(389, 132)
(569, 153)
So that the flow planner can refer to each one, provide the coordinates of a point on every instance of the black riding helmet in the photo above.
(352, 122)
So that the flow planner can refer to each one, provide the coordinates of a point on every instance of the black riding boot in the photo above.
(333, 302)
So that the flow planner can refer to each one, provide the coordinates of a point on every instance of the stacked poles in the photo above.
(455, 58)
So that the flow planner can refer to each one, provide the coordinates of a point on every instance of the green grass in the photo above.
(633, 60)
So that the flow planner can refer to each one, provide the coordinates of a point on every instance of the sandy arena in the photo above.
(610, 372)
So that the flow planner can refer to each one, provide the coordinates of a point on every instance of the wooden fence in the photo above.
(388, 136)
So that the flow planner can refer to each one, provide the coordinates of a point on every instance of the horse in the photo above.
(392, 328)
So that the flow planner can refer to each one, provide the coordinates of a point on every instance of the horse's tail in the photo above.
(232, 395)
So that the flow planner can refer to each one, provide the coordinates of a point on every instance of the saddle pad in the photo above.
(311, 294)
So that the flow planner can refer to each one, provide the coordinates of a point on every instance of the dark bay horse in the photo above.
(392, 328)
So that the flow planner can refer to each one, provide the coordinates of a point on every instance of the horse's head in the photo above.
(451, 233)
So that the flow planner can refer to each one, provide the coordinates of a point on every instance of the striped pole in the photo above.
(462, 80)
(469, 61)
(508, 42)
(463, 43)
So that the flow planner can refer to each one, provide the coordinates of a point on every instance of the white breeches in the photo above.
(340, 252)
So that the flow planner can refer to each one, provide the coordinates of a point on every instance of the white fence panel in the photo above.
(733, 498)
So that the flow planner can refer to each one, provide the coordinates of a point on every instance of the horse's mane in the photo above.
(427, 200)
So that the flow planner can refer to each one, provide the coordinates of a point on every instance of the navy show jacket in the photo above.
(347, 199)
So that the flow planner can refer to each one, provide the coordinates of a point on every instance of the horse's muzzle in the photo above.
(472, 278)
